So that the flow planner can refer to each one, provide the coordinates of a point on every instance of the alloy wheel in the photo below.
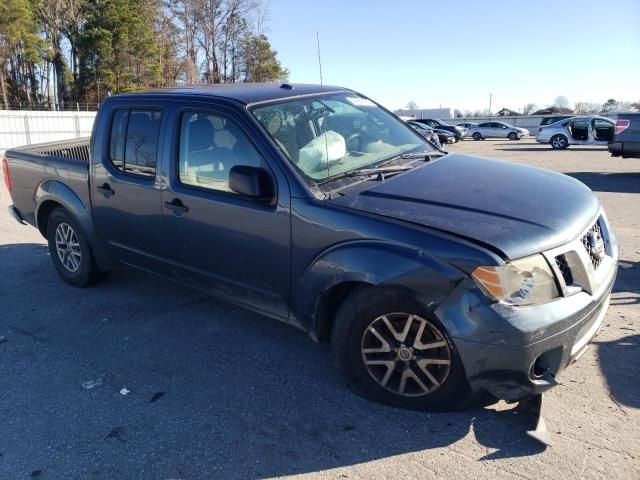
(68, 247)
(406, 354)
(558, 142)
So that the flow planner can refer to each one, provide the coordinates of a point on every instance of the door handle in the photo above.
(177, 206)
(106, 190)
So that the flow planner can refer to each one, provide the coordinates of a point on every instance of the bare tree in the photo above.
(529, 108)
(411, 105)
(260, 16)
(587, 107)
(561, 102)
(610, 105)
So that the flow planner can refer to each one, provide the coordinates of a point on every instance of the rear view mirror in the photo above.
(253, 182)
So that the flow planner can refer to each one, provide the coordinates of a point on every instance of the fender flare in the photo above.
(405, 268)
(57, 192)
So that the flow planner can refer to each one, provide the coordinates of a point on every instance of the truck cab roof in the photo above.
(245, 93)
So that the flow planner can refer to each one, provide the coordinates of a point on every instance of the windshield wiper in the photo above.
(425, 155)
(363, 172)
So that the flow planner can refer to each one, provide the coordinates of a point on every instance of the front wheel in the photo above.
(390, 350)
(513, 136)
(477, 136)
(559, 142)
(70, 251)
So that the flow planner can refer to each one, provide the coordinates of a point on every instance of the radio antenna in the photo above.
(324, 117)
(319, 58)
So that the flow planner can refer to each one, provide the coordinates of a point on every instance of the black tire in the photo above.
(559, 142)
(513, 136)
(86, 271)
(368, 305)
(477, 136)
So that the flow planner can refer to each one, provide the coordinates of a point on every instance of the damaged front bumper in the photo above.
(514, 352)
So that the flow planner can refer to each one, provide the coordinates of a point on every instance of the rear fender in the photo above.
(406, 269)
(52, 192)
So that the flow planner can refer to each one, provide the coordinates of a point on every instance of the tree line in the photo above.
(60, 53)
(561, 102)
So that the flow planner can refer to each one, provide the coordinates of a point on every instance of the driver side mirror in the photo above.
(252, 182)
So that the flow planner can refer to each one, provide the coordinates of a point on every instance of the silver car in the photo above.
(497, 130)
(582, 130)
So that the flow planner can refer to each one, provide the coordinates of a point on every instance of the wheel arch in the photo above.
(342, 269)
(52, 194)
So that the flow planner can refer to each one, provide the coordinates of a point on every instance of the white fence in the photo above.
(18, 127)
(24, 127)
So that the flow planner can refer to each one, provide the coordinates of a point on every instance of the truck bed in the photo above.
(30, 167)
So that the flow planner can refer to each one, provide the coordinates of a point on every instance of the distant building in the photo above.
(554, 111)
(506, 112)
(435, 113)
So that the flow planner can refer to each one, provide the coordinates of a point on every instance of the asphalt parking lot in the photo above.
(219, 392)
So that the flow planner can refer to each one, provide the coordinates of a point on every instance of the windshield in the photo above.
(443, 123)
(325, 136)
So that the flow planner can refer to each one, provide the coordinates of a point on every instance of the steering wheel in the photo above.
(353, 142)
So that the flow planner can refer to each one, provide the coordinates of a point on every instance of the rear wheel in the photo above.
(70, 251)
(390, 350)
(477, 136)
(513, 136)
(559, 142)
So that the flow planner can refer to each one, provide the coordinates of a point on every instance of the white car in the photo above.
(584, 130)
(497, 130)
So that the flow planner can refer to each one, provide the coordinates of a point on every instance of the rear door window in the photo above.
(118, 134)
(134, 141)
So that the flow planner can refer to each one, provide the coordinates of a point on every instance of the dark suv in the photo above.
(626, 139)
(458, 132)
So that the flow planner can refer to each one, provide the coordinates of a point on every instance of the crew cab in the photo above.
(433, 276)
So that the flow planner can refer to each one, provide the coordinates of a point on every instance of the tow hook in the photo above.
(532, 406)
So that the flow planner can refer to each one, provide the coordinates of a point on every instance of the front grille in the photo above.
(590, 243)
(563, 265)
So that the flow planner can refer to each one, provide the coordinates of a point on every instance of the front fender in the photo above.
(402, 267)
(56, 191)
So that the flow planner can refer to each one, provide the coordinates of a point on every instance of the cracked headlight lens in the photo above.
(526, 281)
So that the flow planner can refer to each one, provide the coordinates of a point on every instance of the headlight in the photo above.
(522, 282)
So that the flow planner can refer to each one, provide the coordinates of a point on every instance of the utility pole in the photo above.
(490, 100)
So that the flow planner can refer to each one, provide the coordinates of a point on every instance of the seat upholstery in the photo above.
(200, 143)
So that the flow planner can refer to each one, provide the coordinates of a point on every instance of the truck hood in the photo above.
(513, 209)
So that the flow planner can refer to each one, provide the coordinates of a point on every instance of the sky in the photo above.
(455, 53)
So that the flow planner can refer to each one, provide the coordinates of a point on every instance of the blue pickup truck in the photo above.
(434, 276)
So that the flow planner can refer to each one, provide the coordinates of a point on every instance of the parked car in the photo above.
(497, 130)
(316, 206)
(443, 136)
(626, 137)
(553, 119)
(582, 130)
(426, 132)
(458, 132)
